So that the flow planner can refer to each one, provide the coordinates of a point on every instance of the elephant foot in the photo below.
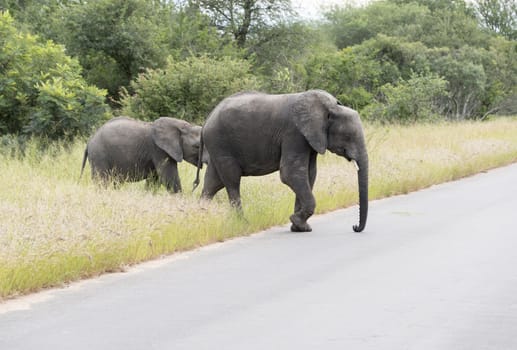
(299, 225)
(305, 228)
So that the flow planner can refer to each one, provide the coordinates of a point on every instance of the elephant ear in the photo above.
(166, 135)
(311, 119)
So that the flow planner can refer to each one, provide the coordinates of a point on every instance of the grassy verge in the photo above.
(54, 229)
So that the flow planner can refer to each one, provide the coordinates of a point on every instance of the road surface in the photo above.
(436, 269)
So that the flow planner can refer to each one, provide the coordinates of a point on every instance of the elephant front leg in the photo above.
(168, 174)
(312, 177)
(296, 176)
(101, 175)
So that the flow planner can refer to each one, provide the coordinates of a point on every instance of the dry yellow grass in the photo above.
(54, 229)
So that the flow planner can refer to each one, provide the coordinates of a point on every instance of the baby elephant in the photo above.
(125, 149)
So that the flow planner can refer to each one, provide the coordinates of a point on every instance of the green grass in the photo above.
(54, 229)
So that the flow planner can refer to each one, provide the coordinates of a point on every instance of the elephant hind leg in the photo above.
(101, 176)
(212, 183)
(230, 173)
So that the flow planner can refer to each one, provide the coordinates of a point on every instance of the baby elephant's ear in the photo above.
(311, 119)
(167, 136)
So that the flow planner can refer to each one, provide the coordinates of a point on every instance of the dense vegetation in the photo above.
(67, 65)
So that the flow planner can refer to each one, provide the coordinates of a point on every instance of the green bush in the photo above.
(114, 39)
(187, 89)
(414, 100)
(352, 78)
(42, 92)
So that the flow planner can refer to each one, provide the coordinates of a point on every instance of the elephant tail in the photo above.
(85, 157)
(199, 163)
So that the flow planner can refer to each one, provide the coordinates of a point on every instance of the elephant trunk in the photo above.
(362, 177)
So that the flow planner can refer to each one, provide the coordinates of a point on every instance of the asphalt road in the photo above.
(436, 269)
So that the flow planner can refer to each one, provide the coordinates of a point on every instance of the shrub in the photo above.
(353, 78)
(187, 89)
(42, 92)
(416, 99)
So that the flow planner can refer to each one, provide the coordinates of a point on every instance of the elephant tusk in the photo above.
(355, 164)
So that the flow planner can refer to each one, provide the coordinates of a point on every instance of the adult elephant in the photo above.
(125, 149)
(252, 133)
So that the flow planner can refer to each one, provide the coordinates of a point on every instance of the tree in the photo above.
(500, 16)
(190, 32)
(350, 25)
(452, 24)
(42, 92)
(467, 80)
(37, 16)
(115, 40)
(435, 23)
(351, 77)
(242, 18)
(355, 74)
(426, 37)
(409, 101)
(279, 54)
(501, 70)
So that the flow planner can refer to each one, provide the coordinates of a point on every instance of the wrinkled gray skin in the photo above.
(251, 134)
(125, 149)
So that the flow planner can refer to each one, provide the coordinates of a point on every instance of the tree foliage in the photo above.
(42, 92)
(119, 36)
(161, 57)
(187, 89)
(500, 16)
(242, 18)
(416, 99)
(282, 53)
(351, 25)
(396, 39)
(189, 32)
